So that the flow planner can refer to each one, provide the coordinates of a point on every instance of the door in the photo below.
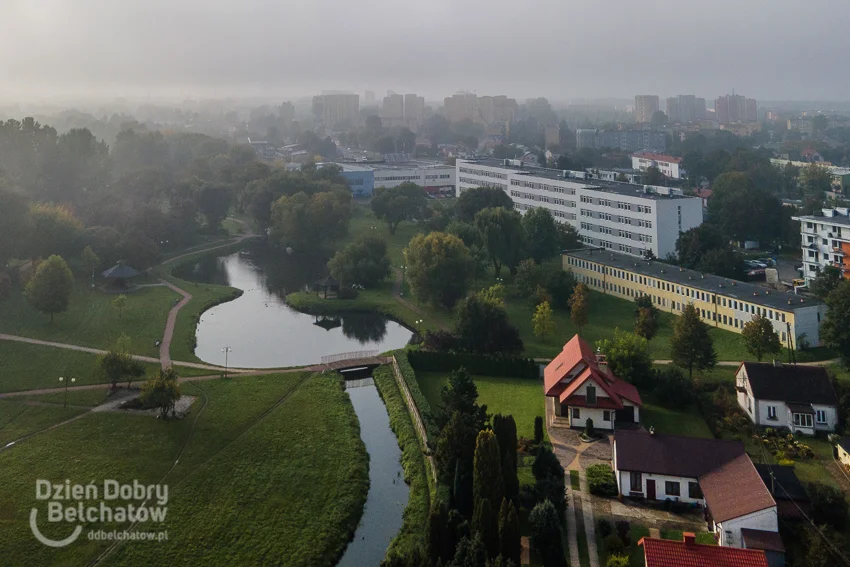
(650, 489)
(625, 415)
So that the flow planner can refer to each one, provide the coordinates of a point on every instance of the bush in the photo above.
(347, 293)
(672, 388)
(538, 430)
(588, 428)
(828, 505)
(623, 530)
(613, 544)
(441, 340)
(617, 561)
(601, 481)
(605, 528)
(485, 365)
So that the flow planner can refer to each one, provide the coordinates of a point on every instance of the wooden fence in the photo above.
(417, 419)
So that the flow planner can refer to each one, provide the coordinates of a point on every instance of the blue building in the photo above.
(360, 179)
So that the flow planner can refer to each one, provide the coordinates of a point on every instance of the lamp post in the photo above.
(62, 380)
(226, 350)
(419, 326)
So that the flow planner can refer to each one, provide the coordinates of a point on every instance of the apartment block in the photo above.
(645, 107)
(668, 165)
(632, 219)
(825, 240)
(685, 108)
(721, 302)
(331, 109)
(624, 140)
(733, 108)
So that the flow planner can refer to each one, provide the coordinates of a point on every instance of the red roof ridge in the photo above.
(669, 553)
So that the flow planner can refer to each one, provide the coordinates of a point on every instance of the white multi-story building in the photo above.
(825, 241)
(632, 219)
(668, 165)
(432, 176)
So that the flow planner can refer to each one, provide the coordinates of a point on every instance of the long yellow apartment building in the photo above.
(721, 302)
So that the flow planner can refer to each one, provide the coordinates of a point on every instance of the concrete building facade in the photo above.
(825, 241)
(668, 165)
(330, 109)
(721, 302)
(632, 219)
(645, 107)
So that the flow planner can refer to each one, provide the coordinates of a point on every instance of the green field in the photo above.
(18, 419)
(686, 421)
(88, 398)
(259, 481)
(521, 398)
(92, 321)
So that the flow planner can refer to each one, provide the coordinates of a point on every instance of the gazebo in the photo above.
(327, 283)
(119, 274)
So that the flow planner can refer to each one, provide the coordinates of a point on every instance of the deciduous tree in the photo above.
(90, 261)
(116, 366)
(835, 329)
(579, 306)
(760, 338)
(54, 230)
(471, 201)
(363, 262)
(646, 317)
(214, 200)
(826, 281)
(691, 346)
(403, 202)
(119, 303)
(501, 232)
(483, 327)
(542, 321)
(49, 291)
(628, 357)
(541, 234)
(438, 268)
(161, 392)
(14, 223)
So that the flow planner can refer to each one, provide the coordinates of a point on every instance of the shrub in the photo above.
(672, 388)
(538, 430)
(347, 293)
(613, 544)
(828, 505)
(605, 528)
(617, 561)
(601, 481)
(440, 341)
(588, 428)
(623, 530)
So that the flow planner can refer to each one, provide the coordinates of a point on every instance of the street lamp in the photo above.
(62, 379)
(403, 270)
(226, 350)
(419, 326)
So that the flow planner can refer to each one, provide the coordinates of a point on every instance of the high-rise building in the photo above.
(735, 108)
(672, 111)
(331, 109)
(645, 107)
(685, 108)
(488, 110)
(414, 110)
(392, 112)
(825, 241)
(461, 106)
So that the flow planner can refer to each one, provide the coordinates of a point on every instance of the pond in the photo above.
(261, 330)
(388, 493)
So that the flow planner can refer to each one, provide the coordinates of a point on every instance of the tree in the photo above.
(617, 561)
(546, 534)
(542, 321)
(691, 346)
(119, 303)
(659, 118)
(460, 395)
(722, 262)
(541, 234)
(502, 234)
(5, 286)
(454, 455)
(504, 427)
(487, 481)
(828, 505)
(363, 262)
(471, 201)
(214, 200)
(835, 329)
(538, 430)
(819, 123)
(646, 317)
(90, 261)
(760, 338)
(438, 268)
(692, 245)
(495, 294)
(470, 552)
(440, 540)
(404, 202)
(817, 179)
(628, 356)
(744, 211)
(528, 277)
(483, 327)
(579, 306)
(510, 545)
(55, 230)
(653, 176)
(14, 223)
(161, 392)
(305, 222)
(116, 365)
(568, 237)
(485, 525)
(826, 281)
(559, 284)
(49, 291)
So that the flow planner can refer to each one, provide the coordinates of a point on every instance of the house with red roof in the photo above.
(581, 387)
(689, 553)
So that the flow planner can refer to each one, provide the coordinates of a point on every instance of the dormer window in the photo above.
(591, 394)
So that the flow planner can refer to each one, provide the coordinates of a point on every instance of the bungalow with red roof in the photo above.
(689, 553)
(580, 388)
(712, 473)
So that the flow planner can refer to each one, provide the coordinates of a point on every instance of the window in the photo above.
(590, 393)
(694, 490)
(576, 413)
(771, 412)
(803, 419)
(820, 416)
(672, 488)
(637, 482)
(606, 415)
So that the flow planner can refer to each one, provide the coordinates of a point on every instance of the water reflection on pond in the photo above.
(262, 330)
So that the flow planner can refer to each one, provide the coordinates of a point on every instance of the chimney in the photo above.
(690, 538)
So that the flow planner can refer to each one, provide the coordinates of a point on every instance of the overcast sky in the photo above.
(561, 49)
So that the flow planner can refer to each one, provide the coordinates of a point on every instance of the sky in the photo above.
(561, 49)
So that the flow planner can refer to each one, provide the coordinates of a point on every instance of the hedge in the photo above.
(601, 480)
(484, 365)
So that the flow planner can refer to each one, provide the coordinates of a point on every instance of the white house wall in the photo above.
(593, 413)
(624, 480)
(765, 520)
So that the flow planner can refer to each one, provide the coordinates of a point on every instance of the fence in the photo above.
(349, 356)
(417, 418)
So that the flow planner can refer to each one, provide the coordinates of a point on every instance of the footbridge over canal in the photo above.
(356, 360)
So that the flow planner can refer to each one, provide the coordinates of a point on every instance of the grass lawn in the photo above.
(363, 223)
(28, 367)
(258, 482)
(574, 480)
(686, 421)
(636, 556)
(89, 398)
(515, 396)
(18, 419)
(92, 321)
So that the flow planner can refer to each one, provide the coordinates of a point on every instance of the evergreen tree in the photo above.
(510, 546)
(538, 430)
(546, 534)
(487, 479)
(691, 346)
(485, 525)
(505, 429)
(440, 542)
(471, 552)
